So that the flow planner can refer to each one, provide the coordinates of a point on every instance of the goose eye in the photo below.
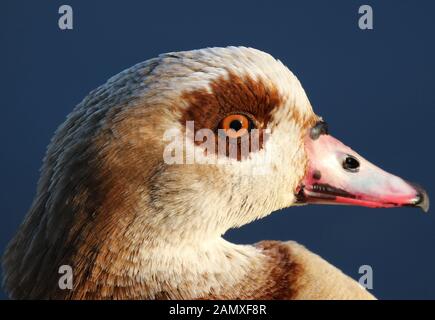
(236, 125)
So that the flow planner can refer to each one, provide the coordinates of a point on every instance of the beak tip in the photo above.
(422, 200)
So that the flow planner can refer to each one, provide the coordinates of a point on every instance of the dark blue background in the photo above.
(375, 88)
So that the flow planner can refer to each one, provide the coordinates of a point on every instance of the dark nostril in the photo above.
(351, 164)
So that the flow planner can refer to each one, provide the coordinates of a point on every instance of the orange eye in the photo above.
(236, 125)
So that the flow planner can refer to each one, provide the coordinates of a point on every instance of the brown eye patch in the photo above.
(230, 96)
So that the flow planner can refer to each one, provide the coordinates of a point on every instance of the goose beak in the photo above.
(338, 175)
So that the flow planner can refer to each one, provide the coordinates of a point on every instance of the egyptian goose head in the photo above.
(151, 169)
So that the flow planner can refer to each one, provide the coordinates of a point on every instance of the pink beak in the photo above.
(338, 175)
